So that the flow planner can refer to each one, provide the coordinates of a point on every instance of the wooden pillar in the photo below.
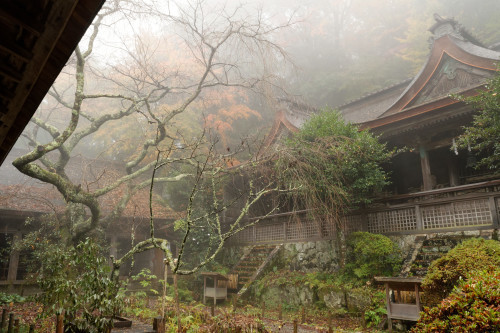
(60, 323)
(494, 212)
(14, 258)
(388, 304)
(426, 168)
(418, 217)
(453, 171)
(417, 297)
(204, 288)
(215, 291)
(284, 231)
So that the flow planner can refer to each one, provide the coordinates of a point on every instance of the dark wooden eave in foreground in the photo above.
(37, 38)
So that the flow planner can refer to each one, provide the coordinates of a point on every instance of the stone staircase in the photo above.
(426, 250)
(252, 264)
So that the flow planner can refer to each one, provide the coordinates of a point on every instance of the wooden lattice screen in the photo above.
(449, 214)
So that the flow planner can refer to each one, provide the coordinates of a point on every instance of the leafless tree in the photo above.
(214, 48)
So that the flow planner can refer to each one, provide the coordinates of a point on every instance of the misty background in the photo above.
(336, 51)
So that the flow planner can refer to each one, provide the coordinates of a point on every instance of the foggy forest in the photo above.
(148, 167)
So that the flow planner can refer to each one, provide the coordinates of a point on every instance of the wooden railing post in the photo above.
(284, 231)
(11, 322)
(418, 217)
(494, 212)
(254, 234)
(4, 319)
(60, 323)
(14, 259)
(16, 325)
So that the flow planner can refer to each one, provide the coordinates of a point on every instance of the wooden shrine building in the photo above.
(435, 187)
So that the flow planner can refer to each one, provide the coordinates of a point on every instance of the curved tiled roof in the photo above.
(373, 105)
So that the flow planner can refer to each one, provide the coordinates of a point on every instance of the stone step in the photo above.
(421, 263)
(249, 265)
(419, 272)
(432, 249)
(435, 248)
(245, 269)
(450, 241)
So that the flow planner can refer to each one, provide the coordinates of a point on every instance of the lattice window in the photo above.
(457, 214)
(438, 216)
(245, 236)
(269, 232)
(353, 223)
(474, 212)
(392, 221)
(303, 229)
(292, 230)
(311, 228)
(328, 229)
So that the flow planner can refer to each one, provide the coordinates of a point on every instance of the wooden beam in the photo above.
(13, 48)
(16, 15)
(62, 29)
(417, 296)
(14, 258)
(426, 169)
(453, 172)
(10, 73)
(388, 304)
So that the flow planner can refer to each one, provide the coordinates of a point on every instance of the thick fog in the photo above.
(148, 59)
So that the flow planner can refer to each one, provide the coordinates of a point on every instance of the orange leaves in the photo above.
(225, 108)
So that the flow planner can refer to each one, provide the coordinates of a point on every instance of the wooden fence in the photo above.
(10, 323)
(461, 208)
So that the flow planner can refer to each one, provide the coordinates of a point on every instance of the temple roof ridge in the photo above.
(374, 92)
(450, 26)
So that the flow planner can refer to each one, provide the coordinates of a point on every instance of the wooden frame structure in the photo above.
(460, 208)
(396, 308)
(434, 187)
(216, 292)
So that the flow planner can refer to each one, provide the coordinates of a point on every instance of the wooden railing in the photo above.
(468, 207)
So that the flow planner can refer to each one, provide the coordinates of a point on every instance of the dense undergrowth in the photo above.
(463, 290)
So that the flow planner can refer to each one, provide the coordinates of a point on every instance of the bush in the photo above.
(472, 307)
(370, 255)
(469, 256)
(77, 280)
(332, 164)
(11, 298)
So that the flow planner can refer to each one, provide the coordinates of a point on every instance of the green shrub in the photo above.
(77, 280)
(283, 278)
(11, 298)
(370, 255)
(469, 256)
(472, 307)
(136, 303)
(332, 165)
